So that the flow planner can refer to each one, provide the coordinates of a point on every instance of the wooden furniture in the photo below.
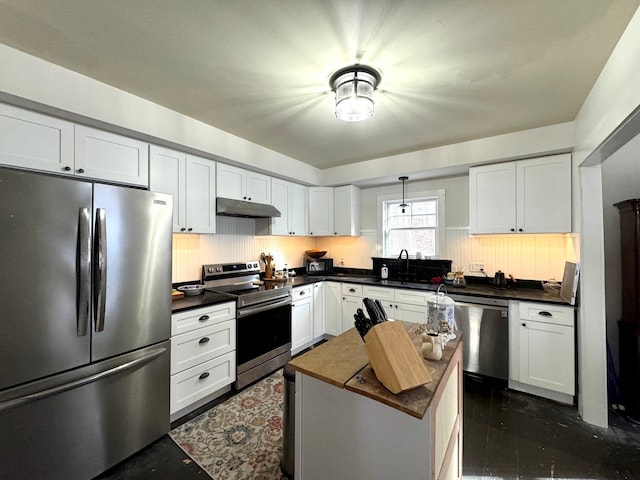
(526, 196)
(629, 325)
(348, 425)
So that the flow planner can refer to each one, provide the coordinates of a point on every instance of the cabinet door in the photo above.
(107, 156)
(347, 207)
(332, 308)
(301, 322)
(298, 209)
(492, 198)
(349, 307)
(280, 191)
(31, 140)
(321, 211)
(546, 356)
(544, 194)
(230, 182)
(258, 187)
(318, 309)
(409, 313)
(167, 175)
(200, 195)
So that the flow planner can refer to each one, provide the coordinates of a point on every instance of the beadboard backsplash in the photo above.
(537, 257)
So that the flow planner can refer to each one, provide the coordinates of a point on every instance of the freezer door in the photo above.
(78, 424)
(131, 269)
(44, 242)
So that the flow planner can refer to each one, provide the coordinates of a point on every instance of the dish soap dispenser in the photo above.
(384, 272)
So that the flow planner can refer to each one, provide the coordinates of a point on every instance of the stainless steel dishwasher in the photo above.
(485, 325)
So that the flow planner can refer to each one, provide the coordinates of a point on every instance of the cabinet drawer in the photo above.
(302, 292)
(197, 382)
(191, 348)
(548, 313)
(413, 297)
(380, 293)
(202, 317)
(352, 289)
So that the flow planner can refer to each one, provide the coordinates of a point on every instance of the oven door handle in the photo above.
(265, 306)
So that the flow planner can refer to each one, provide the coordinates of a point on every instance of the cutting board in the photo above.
(569, 287)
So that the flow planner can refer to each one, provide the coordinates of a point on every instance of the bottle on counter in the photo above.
(384, 271)
(285, 271)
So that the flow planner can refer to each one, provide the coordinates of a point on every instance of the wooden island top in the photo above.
(343, 362)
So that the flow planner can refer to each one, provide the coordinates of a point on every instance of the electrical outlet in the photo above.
(476, 267)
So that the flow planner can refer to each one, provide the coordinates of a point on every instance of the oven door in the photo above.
(263, 341)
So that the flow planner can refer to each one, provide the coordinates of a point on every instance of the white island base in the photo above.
(344, 434)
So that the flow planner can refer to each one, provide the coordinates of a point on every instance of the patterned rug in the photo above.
(241, 438)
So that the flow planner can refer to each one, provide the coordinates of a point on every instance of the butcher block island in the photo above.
(349, 426)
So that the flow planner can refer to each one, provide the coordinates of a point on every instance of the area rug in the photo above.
(241, 438)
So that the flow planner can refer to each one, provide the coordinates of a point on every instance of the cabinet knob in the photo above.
(67, 169)
(204, 375)
(343, 298)
(183, 229)
(310, 233)
(249, 198)
(520, 230)
(203, 340)
(203, 318)
(81, 170)
(513, 229)
(524, 324)
(335, 233)
(189, 229)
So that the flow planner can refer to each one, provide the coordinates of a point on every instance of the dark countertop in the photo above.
(196, 301)
(472, 289)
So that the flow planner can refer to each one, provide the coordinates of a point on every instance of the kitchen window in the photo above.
(418, 229)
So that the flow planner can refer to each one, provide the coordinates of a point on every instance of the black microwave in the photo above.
(318, 266)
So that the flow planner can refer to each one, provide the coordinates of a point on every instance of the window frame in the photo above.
(439, 194)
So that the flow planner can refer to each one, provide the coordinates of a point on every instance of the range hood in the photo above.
(240, 208)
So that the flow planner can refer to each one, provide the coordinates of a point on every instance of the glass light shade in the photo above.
(354, 95)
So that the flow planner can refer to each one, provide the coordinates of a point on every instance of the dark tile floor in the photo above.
(507, 435)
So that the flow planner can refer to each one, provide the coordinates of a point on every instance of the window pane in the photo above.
(424, 207)
(422, 240)
(399, 221)
(423, 221)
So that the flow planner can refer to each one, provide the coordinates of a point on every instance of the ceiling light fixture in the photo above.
(403, 205)
(354, 87)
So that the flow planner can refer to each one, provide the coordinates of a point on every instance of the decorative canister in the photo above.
(441, 314)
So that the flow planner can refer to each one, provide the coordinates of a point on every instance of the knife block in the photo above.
(394, 358)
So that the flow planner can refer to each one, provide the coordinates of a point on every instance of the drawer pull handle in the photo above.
(302, 293)
(204, 318)
(544, 313)
(204, 375)
(203, 340)
(352, 290)
(524, 324)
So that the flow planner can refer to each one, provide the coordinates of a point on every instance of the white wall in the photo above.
(620, 181)
(612, 100)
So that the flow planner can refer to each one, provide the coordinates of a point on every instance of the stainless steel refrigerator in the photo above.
(85, 307)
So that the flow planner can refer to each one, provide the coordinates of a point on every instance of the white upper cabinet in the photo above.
(39, 142)
(240, 184)
(527, 196)
(347, 201)
(321, 211)
(191, 181)
(292, 200)
(35, 141)
(112, 157)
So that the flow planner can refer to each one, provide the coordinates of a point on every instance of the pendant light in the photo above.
(354, 87)
(403, 205)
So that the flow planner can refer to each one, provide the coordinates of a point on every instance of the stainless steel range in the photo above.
(263, 312)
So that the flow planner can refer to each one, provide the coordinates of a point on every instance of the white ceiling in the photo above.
(452, 70)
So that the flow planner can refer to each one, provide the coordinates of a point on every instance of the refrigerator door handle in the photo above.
(84, 266)
(14, 402)
(100, 269)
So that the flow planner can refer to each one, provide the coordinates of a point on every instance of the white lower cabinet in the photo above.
(351, 302)
(399, 303)
(542, 350)
(318, 309)
(203, 359)
(301, 318)
(332, 308)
